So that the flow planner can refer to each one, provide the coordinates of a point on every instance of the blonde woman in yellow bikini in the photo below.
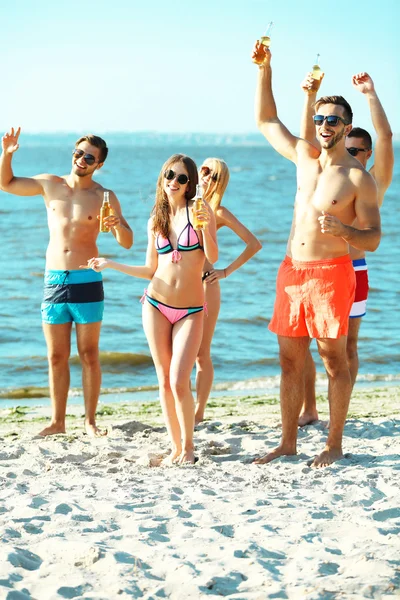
(214, 177)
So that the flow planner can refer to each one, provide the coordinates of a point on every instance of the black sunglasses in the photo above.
(170, 175)
(332, 120)
(207, 171)
(355, 151)
(88, 158)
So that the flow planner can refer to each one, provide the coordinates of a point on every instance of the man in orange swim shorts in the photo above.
(314, 298)
(316, 282)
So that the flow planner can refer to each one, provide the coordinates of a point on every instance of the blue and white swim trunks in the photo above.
(72, 296)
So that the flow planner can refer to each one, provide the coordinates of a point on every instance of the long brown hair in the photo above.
(160, 212)
(218, 181)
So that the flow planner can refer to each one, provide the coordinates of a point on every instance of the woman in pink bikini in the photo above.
(173, 304)
(214, 176)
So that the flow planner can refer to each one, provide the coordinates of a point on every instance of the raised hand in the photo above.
(309, 85)
(363, 83)
(261, 55)
(9, 141)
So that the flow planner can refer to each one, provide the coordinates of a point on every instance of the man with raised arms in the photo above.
(70, 295)
(316, 282)
(358, 144)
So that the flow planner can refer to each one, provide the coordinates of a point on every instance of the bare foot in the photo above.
(307, 417)
(53, 429)
(93, 431)
(186, 457)
(279, 451)
(198, 417)
(327, 457)
(170, 460)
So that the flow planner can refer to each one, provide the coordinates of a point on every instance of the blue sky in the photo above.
(137, 65)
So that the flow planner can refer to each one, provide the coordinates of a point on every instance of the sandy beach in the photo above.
(99, 519)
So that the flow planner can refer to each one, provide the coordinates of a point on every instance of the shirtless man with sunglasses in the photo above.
(359, 145)
(70, 295)
(316, 281)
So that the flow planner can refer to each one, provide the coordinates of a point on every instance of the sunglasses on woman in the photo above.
(170, 175)
(206, 171)
(332, 120)
(355, 151)
(88, 158)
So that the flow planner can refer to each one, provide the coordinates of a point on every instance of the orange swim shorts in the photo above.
(314, 298)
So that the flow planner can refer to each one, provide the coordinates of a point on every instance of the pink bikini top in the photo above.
(187, 240)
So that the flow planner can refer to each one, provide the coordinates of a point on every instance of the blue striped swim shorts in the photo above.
(72, 296)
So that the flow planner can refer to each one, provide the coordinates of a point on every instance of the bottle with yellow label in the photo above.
(259, 57)
(105, 211)
(198, 205)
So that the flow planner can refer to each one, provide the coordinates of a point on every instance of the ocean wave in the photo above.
(25, 392)
(256, 320)
(29, 392)
(270, 383)
(119, 359)
(257, 383)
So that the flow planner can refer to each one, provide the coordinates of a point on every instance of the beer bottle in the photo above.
(105, 211)
(264, 41)
(198, 205)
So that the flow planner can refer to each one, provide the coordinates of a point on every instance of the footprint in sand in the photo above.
(384, 515)
(31, 528)
(214, 448)
(225, 586)
(226, 530)
(11, 533)
(25, 559)
(132, 427)
(208, 492)
(181, 513)
(128, 559)
(37, 502)
(328, 568)
(12, 455)
(74, 592)
(63, 509)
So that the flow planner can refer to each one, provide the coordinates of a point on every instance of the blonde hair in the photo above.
(219, 180)
(161, 208)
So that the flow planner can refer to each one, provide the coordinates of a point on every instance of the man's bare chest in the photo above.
(63, 203)
(331, 190)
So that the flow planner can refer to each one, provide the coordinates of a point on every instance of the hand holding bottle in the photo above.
(112, 221)
(201, 216)
(309, 85)
(261, 55)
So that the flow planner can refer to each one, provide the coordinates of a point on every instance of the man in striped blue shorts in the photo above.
(71, 295)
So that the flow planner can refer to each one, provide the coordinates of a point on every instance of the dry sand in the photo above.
(83, 518)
